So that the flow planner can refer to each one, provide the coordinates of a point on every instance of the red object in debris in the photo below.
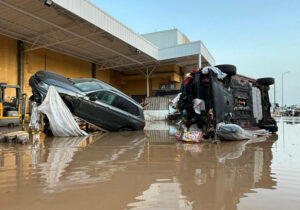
(195, 70)
(242, 102)
(186, 81)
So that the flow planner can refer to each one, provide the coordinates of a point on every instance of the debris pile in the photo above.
(215, 102)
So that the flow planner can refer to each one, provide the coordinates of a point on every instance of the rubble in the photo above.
(19, 137)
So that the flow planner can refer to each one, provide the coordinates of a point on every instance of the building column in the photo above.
(20, 62)
(147, 78)
(199, 61)
(94, 70)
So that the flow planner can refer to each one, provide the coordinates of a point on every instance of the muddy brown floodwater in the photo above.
(152, 171)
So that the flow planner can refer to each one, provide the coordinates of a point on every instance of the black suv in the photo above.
(232, 99)
(91, 100)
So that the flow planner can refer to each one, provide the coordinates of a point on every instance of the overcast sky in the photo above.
(260, 37)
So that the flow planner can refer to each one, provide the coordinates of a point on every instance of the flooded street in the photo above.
(151, 170)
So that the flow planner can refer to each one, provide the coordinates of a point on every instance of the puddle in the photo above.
(151, 170)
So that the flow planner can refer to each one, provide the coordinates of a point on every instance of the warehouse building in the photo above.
(78, 39)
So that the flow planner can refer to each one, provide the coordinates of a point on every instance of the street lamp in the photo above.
(282, 86)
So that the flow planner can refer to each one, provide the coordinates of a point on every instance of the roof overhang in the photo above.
(82, 30)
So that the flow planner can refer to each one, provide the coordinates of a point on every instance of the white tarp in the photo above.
(61, 119)
(217, 71)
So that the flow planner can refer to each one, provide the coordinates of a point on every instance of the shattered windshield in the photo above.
(87, 85)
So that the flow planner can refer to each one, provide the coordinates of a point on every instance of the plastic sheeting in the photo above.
(176, 99)
(61, 119)
(235, 132)
(199, 105)
(217, 71)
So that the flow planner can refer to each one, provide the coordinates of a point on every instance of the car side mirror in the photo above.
(93, 98)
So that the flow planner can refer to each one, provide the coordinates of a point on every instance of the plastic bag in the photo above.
(191, 136)
(199, 105)
(176, 99)
(232, 132)
(62, 122)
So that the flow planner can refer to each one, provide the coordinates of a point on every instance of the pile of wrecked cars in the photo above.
(216, 95)
(90, 100)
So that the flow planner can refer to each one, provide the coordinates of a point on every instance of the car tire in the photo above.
(270, 128)
(228, 69)
(265, 81)
(47, 128)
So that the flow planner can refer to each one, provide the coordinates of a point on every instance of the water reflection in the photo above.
(212, 176)
(134, 170)
(69, 163)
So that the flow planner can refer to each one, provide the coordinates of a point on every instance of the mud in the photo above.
(151, 170)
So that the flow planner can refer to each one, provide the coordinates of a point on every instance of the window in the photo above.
(167, 86)
(116, 101)
(163, 86)
(173, 86)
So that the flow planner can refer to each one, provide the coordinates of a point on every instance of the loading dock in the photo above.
(78, 39)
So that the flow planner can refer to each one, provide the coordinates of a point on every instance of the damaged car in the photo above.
(216, 94)
(91, 100)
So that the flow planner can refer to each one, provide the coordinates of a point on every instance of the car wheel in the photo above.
(266, 81)
(228, 69)
(47, 128)
(270, 128)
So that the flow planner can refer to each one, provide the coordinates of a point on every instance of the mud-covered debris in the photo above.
(19, 137)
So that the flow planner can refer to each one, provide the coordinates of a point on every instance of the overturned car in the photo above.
(91, 100)
(212, 95)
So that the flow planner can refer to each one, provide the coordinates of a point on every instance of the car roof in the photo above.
(105, 87)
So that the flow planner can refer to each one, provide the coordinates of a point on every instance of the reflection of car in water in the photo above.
(233, 99)
(91, 100)
(91, 159)
(139, 173)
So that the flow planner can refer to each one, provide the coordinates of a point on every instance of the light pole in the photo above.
(282, 86)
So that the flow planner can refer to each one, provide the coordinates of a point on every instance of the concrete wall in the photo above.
(59, 63)
(8, 62)
(35, 61)
(167, 38)
(134, 82)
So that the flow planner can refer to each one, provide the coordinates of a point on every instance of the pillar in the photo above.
(94, 70)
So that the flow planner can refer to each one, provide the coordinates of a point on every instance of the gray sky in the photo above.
(260, 37)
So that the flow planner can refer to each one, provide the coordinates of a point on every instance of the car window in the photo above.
(116, 101)
(106, 97)
(87, 85)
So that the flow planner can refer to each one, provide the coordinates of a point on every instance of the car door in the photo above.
(116, 118)
(91, 111)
